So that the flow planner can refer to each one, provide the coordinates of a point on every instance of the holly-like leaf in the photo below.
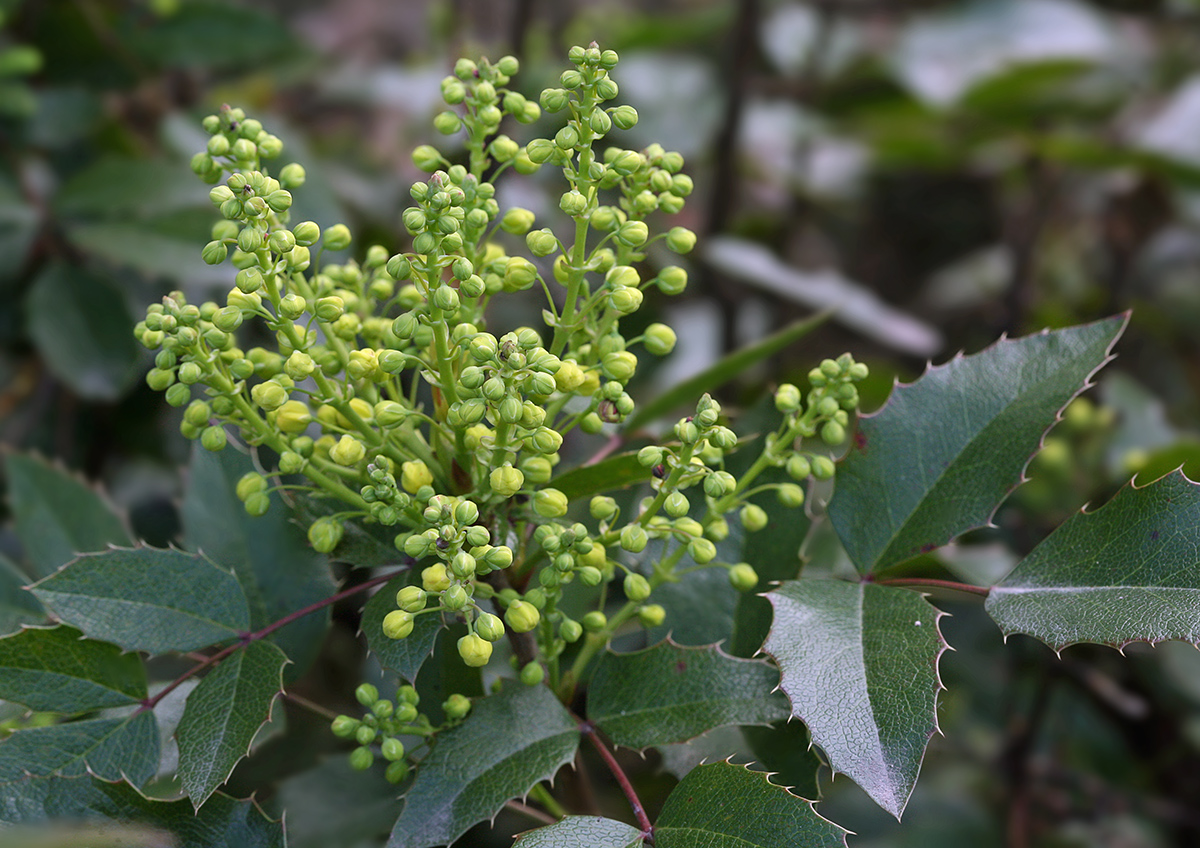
(224, 821)
(334, 805)
(859, 665)
(946, 450)
(110, 748)
(147, 599)
(17, 604)
(83, 329)
(54, 669)
(223, 714)
(57, 516)
(403, 656)
(508, 743)
(669, 693)
(721, 805)
(582, 832)
(1123, 573)
(279, 572)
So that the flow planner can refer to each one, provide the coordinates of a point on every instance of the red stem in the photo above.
(247, 638)
(589, 730)
(934, 583)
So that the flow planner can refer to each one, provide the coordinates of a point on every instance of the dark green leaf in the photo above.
(18, 228)
(786, 751)
(279, 572)
(721, 805)
(54, 669)
(335, 805)
(906, 487)
(223, 823)
(859, 665)
(403, 656)
(83, 330)
(582, 832)
(138, 245)
(700, 606)
(57, 516)
(508, 743)
(670, 693)
(147, 599)
(17, 604)
(207, 34)
(116, 187)
(110, 748)
(223, 714)
(690, 390)
(616, 472)
(1124, 573)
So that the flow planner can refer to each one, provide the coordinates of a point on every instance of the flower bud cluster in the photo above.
(386, 721)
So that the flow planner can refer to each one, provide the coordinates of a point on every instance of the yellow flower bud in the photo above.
(348, 451)
(415, 474)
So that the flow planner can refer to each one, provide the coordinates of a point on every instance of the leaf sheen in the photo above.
(582, 832)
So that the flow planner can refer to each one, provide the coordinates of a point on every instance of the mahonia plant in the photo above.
(389, 393)
(383, 403)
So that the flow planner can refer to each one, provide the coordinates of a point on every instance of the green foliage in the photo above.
(528, 522)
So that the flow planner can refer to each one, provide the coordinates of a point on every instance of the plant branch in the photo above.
(247, 638)
(934, 583)
(589, 730)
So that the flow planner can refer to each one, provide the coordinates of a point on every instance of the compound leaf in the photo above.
(670, 693)
(946, 450)
(508, 743)
(1125, 572)
(148, 599)
(403, 656)
(57, 515)
(859, 665)
(110, 748)
(582, 832)
(279, 572)
(223, 714)
(54, 669)
(224, 821)
(721, 805)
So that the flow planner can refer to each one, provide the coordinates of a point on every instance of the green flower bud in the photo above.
(445, 298)
(652, 615)
(660, 339)
(625, 117)
(754, 518)
(344, 726)
(214, 253)
(634, 538)
(676, 505)
(427, 158)
(681, 240)
(619, 366)
(798, 468)
(455, 598)
(570, 630)
(522, 616)
(687, 432)
(787, 398)
(743, 577)
(191, 373)
(602, 507)
(545, 440)
(672, 280)
(348, 451)
(447, 123)
(489, 627)
(550, 503)
(606, 88)
(823, 468)
(411, 599)
(532, 674)
(475, 652)
(506, 481)
(397, 624)
(702, 550)
(573, 203)
(337, 237)
(279, 201)
(833, 433)
(637, 587)
(519, 274)
(541, 242)
(393, 749)
(269, 396)
(361, 759)
(591, 424)
(595, 621)
(625, 300)
(291, 462)
(324, 534)
(213, 438)
(790, 495)
(459, 706)
(635, 233)
(293, 417)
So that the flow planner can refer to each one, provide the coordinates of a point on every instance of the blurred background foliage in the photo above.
(938, 172)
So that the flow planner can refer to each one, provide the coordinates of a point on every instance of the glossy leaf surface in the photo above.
(670, 693)
(1125, 572)
(223, 714)
(583, 832)
(508, 743)
(147, 599)
(54, 669)
(859, 665)
(110, 748)
(946, 450)
(721, 805)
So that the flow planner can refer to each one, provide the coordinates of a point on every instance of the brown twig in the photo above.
(589, 730)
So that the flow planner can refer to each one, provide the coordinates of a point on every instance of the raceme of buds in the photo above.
(382, 382)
